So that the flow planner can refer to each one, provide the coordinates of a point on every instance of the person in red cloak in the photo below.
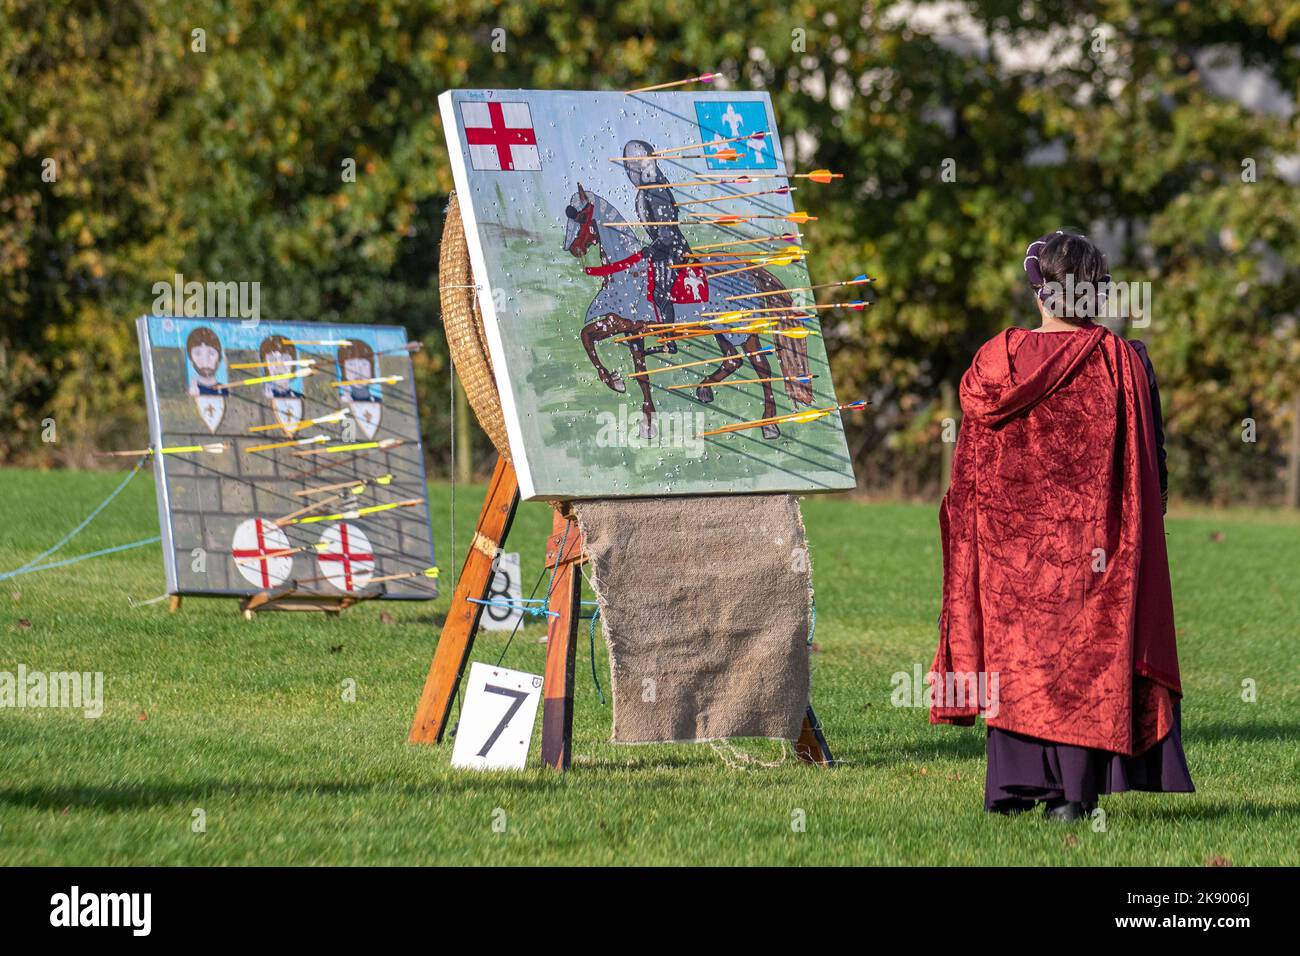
(1057, 623)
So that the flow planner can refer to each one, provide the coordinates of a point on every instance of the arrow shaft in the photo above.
(711, 361)
(748, 381)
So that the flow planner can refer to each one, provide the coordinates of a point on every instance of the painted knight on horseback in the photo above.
(655, 205)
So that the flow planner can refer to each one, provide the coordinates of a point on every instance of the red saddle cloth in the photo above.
(689, 285)
(1056, 576)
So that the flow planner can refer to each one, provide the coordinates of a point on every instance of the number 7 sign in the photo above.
(496, 721)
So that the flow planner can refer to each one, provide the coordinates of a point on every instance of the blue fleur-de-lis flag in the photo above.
(723, 119)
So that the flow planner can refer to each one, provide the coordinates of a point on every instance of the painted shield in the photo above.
(288, 411)
(367, 415)
(212, 409)
(254, 550)
(345, 557)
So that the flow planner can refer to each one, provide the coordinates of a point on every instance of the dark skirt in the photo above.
(1023, 770)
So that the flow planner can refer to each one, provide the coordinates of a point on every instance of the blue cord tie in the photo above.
(591, 639)
(81, 557)
(31, 566)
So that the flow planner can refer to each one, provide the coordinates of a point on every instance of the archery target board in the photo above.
(338, 404)
(594, 405)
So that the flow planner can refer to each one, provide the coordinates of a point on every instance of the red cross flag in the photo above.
(258, 551)
(345, 557)
(500, 136)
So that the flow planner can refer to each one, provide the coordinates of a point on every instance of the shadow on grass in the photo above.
(172, 793)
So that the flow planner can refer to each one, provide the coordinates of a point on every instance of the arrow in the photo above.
(359, 446)
(695, 330)
(702, 78)
(762, 192)
(211, 448)
(796, 217)
(817, 176)
(788, 237)
(725, 179)
(383, 380)
(305, 423)
(856, 280)
(427, 572)
(356, 485)
(783, 308)
(721, 258)
(725, 358)
(725, 155)
(408, 347)
(317, 341)
(314, 440)
(789, 254)
(259, 380)
(749, 381)
(289, 518)
(697, 182)
(359, 512)
(781, 260)
(319, 546)
(722, 155)
(241, 365)
(713, 142)
(811, 415)
(766, 327)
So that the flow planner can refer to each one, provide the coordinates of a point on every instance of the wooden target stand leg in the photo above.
(457, 639)
(565, 553)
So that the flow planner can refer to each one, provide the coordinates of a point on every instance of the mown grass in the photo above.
(245, 721)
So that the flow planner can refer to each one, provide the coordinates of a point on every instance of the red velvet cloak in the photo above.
(1049, 467)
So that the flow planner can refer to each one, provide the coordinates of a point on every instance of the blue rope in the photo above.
(81, 557)
(77, 530)
(812, 625)
(526, 607)
(591, 639)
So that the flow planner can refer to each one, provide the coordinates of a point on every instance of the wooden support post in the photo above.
(462, 618)
(564, 553)
(811, 745)
(174, 603)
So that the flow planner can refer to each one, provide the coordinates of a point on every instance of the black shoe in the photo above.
(1066, 811)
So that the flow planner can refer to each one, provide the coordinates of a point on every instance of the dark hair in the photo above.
(202, 335)
(356, 349)
(1073, 264)
(276, 343)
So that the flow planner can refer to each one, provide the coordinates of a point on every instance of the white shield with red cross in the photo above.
(258, 552)
(500, 136)
(345, 557)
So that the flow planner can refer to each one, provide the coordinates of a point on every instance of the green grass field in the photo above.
(245, 721)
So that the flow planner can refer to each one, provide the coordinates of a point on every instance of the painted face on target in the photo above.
(205, 359)
(356, 368)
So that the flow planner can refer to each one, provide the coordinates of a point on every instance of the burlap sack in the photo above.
(706, 605)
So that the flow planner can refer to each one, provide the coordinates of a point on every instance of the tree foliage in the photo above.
(964, 130)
